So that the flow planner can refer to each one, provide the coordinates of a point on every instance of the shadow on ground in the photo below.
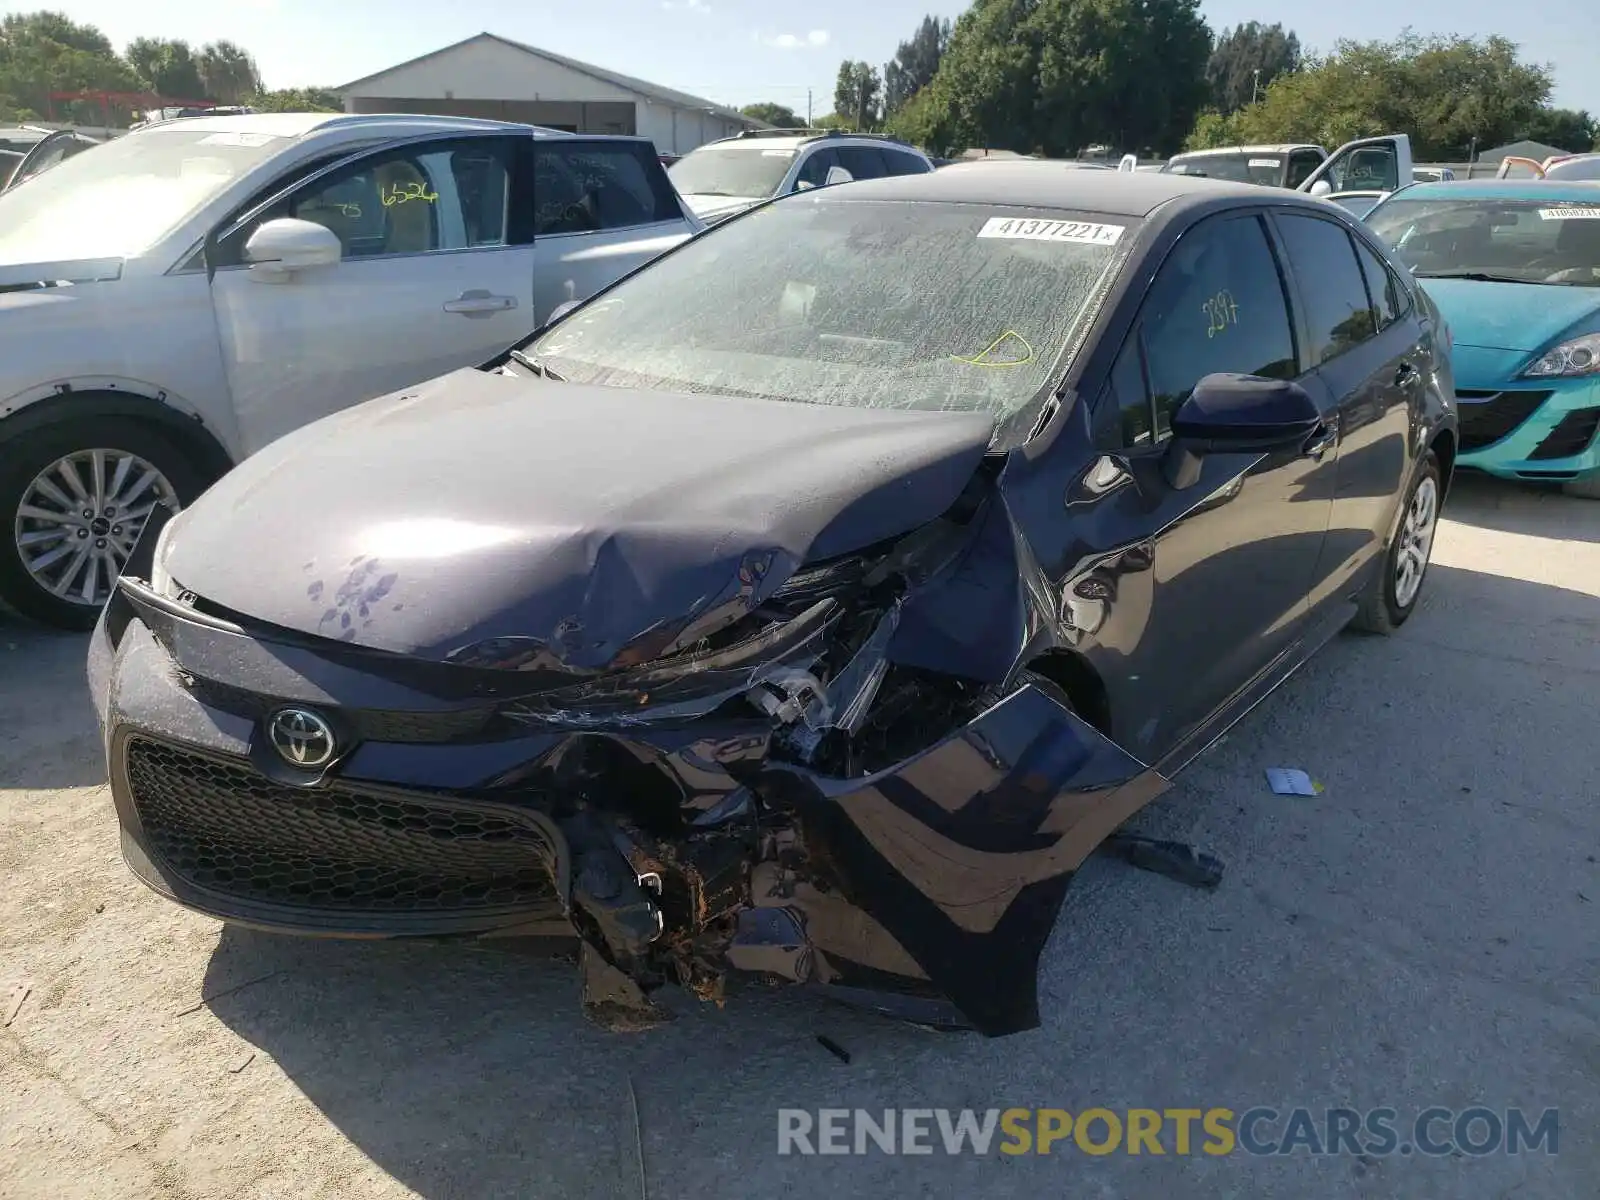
(1532, 510)
(48, 735)
(1431, 900)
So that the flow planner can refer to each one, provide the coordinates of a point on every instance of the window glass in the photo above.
(1239, 166)
(823, 300)
(1301, 164)
(585, 187)
(814, 171)
(1338, 312)
(437, 196)
(1382, 286)
(1523, 241)
(1125, 417)
(863, 162)
(752, 172)
(1217, 304)
(901, 163)
(1370, 169)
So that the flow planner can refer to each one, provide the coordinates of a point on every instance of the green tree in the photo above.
(779, 115)
(43, 53)
(986, 86)
(1444, 91)
(1128, 73)
(1247, 59)
(297, 100)
(1212, 129)
(858, 95)
(915, 63)
(227, 72)
(1572, 130)
(167, 67)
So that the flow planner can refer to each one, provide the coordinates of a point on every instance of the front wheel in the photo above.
(1392, 596)
(74, 498)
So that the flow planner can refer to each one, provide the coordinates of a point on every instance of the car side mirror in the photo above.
(1237, 414)
(1322, 188)
(837, 175)
(279, 248)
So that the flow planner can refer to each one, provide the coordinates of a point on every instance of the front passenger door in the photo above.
(1233, 557)
(433, 276)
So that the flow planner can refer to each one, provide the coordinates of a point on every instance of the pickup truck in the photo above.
(178, 297)
(1377, 164)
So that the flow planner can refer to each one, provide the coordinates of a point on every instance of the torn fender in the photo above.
(964, 853)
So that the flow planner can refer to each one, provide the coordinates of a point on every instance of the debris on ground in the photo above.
(833, 1047)
(1291, 781)
(238, 987)
(14, 1005)
(1176, 860)
(242, 1063)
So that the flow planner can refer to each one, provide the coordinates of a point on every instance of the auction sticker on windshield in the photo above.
(1570, 214)
(1084, 232)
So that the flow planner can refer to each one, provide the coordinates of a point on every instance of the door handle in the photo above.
(1322, 439)
(479, 303)
(1407, 376)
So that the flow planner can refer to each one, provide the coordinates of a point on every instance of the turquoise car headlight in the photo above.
(1580, 356)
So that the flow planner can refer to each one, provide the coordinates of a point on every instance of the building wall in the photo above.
(489, 70)
(679, 130)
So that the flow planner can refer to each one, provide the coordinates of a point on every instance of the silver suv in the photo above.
(730, 175)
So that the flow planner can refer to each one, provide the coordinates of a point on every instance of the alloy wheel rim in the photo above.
(81, 517)
(1416, 542)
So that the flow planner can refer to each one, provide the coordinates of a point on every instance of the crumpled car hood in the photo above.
(479, 507)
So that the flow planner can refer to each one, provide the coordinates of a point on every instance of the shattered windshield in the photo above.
(865, 304)
(723, 171)
(1550, 241)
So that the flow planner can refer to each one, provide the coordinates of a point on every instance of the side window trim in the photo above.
(231, 228)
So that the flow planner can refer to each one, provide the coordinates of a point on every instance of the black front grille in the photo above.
(1572, 435)
(1486, 417)
(223, 826)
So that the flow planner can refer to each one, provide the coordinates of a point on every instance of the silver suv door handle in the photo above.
(479, 303)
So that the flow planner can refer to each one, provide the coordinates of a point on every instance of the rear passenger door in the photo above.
(601, 208)
(1361, 334)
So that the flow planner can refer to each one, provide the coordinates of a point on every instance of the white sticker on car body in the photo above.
(1570, 214)
(1086, 233)
(1266, 162)
(235, 137)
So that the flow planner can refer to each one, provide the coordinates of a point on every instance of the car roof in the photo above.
(1279, 148)
(783, 139)
(1505, 189)
(1032, 183)
(294, 125)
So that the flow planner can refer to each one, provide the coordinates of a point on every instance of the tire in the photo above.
(1587, 488)
(1391, 598)
(27, 568)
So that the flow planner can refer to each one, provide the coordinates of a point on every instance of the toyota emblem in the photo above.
(301, 737)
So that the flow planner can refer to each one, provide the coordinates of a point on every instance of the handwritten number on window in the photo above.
(1221, 313)
(401, 193)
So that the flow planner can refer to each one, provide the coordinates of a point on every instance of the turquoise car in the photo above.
(1514, 265)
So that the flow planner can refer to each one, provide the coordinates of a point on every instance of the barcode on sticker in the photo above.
(1087, 233)
(1570, 214)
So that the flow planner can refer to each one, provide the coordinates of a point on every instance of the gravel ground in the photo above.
(1424, 932)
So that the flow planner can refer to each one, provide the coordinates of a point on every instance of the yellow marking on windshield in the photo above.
(400, 193)
(985, 357)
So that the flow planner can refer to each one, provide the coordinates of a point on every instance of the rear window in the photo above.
(1238, 167)
(1550, 241)
(750, 172)
(583, 187)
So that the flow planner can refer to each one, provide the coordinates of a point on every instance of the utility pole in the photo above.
(1255, 90)
(808, 108)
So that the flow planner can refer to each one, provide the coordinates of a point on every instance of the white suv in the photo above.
(730, 175)
(173, 300)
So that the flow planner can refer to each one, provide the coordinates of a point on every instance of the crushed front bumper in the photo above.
(674, 850)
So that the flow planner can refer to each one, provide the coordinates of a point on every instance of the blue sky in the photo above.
(739, 51)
